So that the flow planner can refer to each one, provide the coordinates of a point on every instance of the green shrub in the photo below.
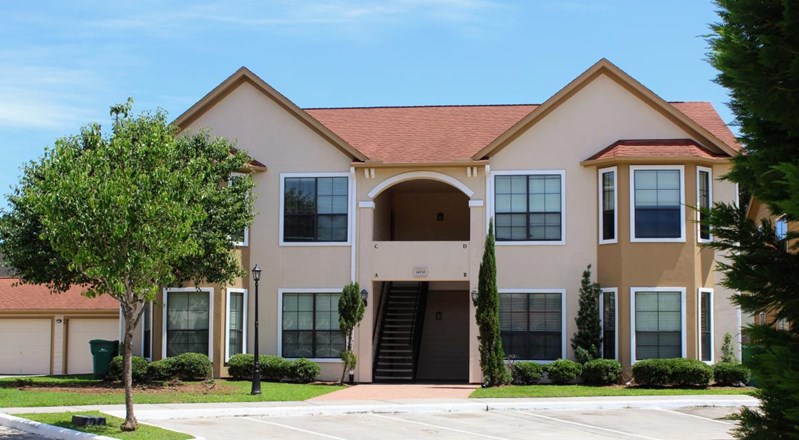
(191, 366)
(274, 368)
(160, 370)
(731, 374)
(563, 371)
(526, 373)
(690, 373)
(138, 364)
(652, 373)
(602, 372)
(240, 366)
(302, 371)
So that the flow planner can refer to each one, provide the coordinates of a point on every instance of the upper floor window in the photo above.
(607, 206)
(781, 231)
(704, 199)
(315, 209)
(659, 203)
(242, 238)
(529, 207)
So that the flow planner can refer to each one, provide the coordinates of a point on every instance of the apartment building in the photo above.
(399, 199)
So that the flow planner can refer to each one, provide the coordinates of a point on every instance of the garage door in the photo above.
(81, 331)
(25, 346)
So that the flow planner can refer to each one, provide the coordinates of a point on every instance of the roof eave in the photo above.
(453, 163)
(655, 160)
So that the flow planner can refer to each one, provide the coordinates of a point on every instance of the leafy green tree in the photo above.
(754, 47)
(728, 351)
(492, 356)
(350, 313)
(128, 213)
(588, 339)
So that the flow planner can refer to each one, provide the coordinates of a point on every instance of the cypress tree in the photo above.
(587, 340)
(492, 357)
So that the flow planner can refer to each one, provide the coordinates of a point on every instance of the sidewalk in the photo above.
(154, 412)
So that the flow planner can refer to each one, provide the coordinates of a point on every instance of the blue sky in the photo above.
(62, 64)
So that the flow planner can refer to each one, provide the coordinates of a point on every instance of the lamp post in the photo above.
(256, 370)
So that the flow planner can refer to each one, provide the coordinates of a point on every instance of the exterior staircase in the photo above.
(401, 326)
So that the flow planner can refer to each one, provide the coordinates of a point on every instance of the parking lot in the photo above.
(651, 424)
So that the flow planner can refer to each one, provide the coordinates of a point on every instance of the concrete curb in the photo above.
(45, 430)
(415, 408)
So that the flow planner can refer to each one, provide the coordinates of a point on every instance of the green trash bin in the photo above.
(102, 353)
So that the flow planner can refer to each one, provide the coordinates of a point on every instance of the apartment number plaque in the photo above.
(420, 271)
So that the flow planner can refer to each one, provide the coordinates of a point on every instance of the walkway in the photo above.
(399, 392)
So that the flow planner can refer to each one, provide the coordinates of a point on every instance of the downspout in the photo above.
(353, 222)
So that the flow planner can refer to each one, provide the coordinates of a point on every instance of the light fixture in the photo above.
(256, 273)
(475, 296)
(364, 296)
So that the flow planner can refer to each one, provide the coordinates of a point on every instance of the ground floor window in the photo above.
(658, 317)
(236, 327)
(188, 313)
(531, 324)
(706, 324)
(607, 314)
(147, 331)
(310, 326)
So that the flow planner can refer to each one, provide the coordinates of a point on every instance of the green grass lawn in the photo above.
(83, 390)
(144, 432)
(594, 391)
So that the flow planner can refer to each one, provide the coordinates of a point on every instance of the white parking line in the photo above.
(692, 415)
(585, 425)
(294, 428)
(439, 427)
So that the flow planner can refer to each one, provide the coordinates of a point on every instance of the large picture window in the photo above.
(658, 323)
(658, 202)
(315, 209)
(706, 324)
(188, 313)
(310, 326)
(529, 207)
(607, 206)
(704, 200)
(531, 325)
(236, 324)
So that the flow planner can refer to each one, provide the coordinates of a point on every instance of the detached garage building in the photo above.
(44, 333)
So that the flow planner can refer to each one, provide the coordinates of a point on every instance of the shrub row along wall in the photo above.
(273, 368)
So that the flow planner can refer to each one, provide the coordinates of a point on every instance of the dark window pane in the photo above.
(704, 326)
(530, 325)
(658, 325)
(657, 204)
(528, 208)
(187, 322)
(315, 209)
(316, 315)
(608, 206)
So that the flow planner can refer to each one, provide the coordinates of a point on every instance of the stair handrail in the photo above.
(377, 329)
(418, 324)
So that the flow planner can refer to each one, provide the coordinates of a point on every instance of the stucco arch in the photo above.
(417, 175)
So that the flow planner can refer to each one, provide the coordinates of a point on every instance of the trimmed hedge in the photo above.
(602, 372)
(273, 368)
(160, 370)
(677, 371)
(731, 374)
(191, 366)
(563, 371)
(526, 373)
(138, 364)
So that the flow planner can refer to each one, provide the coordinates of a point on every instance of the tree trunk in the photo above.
(347, 347)
(127, 371)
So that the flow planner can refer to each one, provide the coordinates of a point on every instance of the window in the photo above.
(706, 325)
(147, 331)
(607, 206)
(187, 316)
(658, 202)
(310, 326)
(781, 230)
(607, 316)
(236, 327)
(658, 317)
(704, 199)
(529, 207)
(531, 324)
(315, 209)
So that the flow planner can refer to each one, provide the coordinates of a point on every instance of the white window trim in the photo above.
(601, 200)
(615, 292)
(563, 314)
(149, 305)
(210, 292)
(681, 169)
(699, 293)
(244, 332)
(683, 340)
(246, 241)
(280, 293)
(709, 172)
(350, 204)
(492, 196)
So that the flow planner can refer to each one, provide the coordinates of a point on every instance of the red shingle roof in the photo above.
(654, 148)
(428, 134)
(33, 297)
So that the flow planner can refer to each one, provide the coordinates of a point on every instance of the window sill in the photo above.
(531, 243)
(320, 360)
(314, 244)
(508, 362)
(601, 242)
(657, 240)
